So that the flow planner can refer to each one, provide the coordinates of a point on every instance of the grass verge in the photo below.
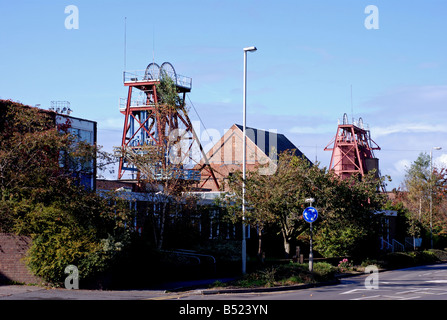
(283, 275)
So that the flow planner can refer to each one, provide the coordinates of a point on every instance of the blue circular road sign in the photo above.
(310, 214)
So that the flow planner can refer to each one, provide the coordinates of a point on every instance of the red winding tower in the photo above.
(144, 124)
(352, 150)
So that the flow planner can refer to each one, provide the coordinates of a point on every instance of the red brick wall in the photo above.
(13, 249)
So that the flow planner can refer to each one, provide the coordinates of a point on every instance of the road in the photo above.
(418, 283)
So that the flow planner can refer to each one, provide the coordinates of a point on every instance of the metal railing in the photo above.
(182, 174)
(394, 246)
(193, 254)
(133, 103)
(142, 76)
(385, 245)
(397, 246)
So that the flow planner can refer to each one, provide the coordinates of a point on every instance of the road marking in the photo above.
(410, 291)
(168, 297)
(424, 291)
(440, 271)
(437, 281)
(376, 297)
(435, 293)
(410, 298)
(353, 291)
(364, 298)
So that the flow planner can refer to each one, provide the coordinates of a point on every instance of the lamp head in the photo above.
(250, 49)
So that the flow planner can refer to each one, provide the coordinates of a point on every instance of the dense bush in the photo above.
(324, 271)
(440, 254)
(81, 232)
(408, 259)
(41, 198)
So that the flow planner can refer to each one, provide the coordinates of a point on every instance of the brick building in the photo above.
(13, 248)
(226, 157)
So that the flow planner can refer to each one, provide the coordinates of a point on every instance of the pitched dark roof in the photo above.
(265, 140)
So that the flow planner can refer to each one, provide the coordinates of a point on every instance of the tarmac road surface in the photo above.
(417, 283)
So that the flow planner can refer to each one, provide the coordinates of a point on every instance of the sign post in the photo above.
(310, 214)
(311, 253)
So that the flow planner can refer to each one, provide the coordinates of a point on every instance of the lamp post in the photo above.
(431, 194)
(244, 247)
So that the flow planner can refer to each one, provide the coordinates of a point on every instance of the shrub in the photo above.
(344, 265)
(59, 240)
(369, 262)
(288, 274)
(440, 254)
(405, 259)
(324, 271)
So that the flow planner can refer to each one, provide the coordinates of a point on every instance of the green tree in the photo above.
(440, 203)
(416, 183)
(167, 93)
(40, 198)
(346, 222)
(419, 185)
(270, 198)
(29, 150)
(348, 225)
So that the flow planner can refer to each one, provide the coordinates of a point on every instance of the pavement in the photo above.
(200, 287)
(30, 292)
(192, 297)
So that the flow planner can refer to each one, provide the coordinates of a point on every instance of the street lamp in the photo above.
(431, 194)
(244, 247)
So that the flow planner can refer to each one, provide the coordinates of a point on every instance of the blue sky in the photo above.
(309, 55)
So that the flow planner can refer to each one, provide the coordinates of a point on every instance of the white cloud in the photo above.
(378, 131)
(401, 166)
(440, 161)
(396, 170)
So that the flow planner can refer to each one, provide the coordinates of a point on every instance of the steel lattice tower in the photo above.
(146, 125)
(352, 150)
